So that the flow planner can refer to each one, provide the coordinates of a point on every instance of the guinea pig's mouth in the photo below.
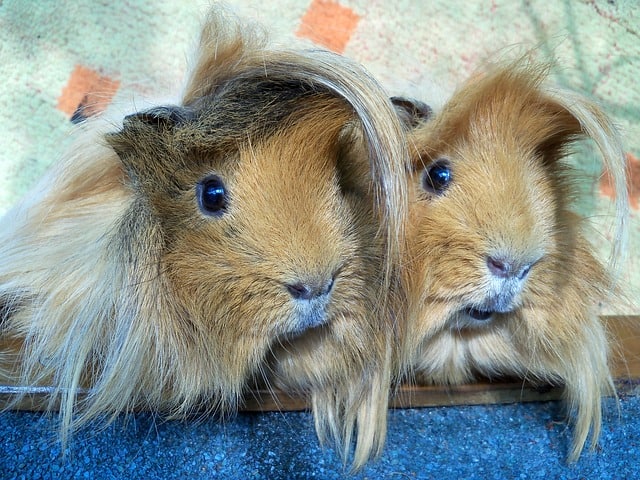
(504, 301)
(309, 316)
(483, 316)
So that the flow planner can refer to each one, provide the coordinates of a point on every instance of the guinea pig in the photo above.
(500, 280)
(160, 264)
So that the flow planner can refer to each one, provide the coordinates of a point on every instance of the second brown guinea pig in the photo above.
(159, 264)
(500, 279)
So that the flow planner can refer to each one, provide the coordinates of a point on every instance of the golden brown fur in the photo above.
(116, 276)
(499, 277)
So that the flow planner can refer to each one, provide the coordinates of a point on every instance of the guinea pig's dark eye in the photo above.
(437, 177)
(212, 196)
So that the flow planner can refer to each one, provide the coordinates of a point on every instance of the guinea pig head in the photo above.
(489, 195)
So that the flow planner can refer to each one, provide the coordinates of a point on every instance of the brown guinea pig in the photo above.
(157, 266)
(500, 279)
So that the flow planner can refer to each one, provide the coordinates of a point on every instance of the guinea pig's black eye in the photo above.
(212, 196)
(437, 177)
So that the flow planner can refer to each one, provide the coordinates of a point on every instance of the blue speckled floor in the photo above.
(522, 441)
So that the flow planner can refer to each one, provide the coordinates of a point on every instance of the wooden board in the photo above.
(625, 366)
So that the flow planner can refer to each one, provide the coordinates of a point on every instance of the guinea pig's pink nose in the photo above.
(504, 267)
(310, 289)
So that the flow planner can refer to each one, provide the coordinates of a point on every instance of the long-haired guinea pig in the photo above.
(500, 279)
(159, 265)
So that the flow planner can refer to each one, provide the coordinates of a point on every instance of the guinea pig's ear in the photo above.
(411, 112)
(146, 137)
(147, 130)
(165, 117)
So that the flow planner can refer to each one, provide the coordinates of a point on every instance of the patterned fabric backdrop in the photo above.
(61, 61)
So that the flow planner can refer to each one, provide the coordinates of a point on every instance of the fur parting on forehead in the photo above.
(253, 105)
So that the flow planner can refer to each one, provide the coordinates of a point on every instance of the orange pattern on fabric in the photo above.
(633, 182)
(329, 24)
(87, 90)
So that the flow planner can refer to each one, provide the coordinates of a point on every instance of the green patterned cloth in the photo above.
(61, 60)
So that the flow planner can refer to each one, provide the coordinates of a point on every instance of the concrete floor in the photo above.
(521, 441)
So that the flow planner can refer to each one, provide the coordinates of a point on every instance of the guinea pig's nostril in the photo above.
(499, 267)
(502, 267)
(299, 291)
(309, 290)
(524, 272)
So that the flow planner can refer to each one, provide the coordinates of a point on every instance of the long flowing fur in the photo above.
(504, 134)
(112, 280)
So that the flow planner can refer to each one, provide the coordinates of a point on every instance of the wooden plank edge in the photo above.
(406, 396)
